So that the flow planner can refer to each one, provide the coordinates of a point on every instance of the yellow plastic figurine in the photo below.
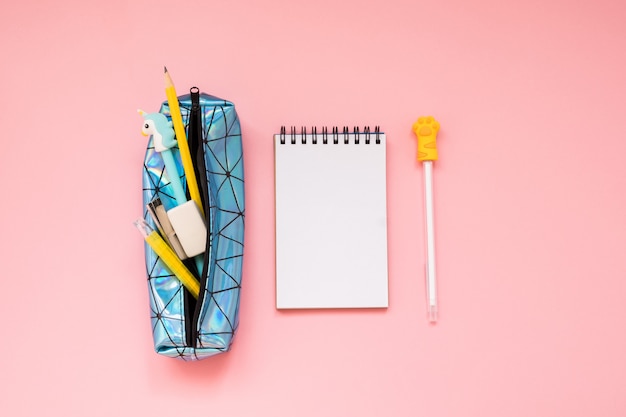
(426, 129)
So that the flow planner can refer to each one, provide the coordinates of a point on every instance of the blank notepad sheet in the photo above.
(331, 221)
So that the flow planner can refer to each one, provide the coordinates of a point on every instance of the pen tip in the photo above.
(432, 315)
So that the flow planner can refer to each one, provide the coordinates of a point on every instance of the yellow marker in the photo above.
(181, 138)
(426, 129)
(169, 258)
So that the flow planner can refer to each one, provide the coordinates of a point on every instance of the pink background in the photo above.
(530, 205)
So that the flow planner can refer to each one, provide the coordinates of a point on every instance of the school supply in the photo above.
(331, 224)
(181, 138)
(157, 125)
(183, 327)
(426, 129)
(168, 257)
(162, 222)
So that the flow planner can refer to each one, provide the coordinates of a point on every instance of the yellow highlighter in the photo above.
(181, 138)
(169, 258)
(426, 129)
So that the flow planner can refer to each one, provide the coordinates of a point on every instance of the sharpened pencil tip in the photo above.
(165, 68)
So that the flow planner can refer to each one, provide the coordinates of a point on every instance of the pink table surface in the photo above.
(530, 205)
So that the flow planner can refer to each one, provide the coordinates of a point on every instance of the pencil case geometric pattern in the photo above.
(183, 327)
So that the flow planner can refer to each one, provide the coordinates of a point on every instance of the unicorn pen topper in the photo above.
(157, 125)
(185, 218)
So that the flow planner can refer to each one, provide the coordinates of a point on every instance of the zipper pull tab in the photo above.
(195, 98)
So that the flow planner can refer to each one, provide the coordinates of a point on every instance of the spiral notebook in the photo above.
(331, 219)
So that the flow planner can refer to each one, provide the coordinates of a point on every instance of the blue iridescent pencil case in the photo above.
(184, 327)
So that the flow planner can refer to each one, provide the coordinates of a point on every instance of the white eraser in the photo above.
(190, 228)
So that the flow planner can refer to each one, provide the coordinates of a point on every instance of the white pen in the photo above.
(426, 129)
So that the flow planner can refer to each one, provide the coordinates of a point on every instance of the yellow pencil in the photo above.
(169, 258)
(181, 138)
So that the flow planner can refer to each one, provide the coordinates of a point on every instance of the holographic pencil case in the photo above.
(184, 327)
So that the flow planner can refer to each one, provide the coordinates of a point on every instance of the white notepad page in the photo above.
(331, 223)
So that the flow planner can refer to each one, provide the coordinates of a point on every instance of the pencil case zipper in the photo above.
(196, 134)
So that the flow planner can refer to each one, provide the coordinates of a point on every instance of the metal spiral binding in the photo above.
(315, 136)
